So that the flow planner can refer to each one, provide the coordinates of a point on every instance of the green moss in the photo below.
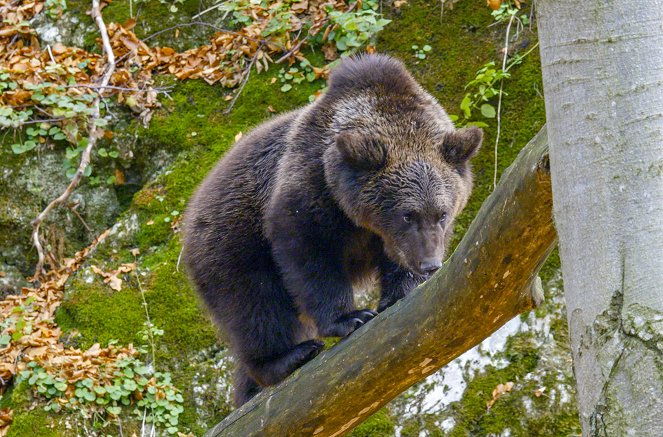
(26, 421)
(380, 424)
(472, 415)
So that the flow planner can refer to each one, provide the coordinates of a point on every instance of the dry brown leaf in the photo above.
(330, 51)
(5, 420)
(499, 391)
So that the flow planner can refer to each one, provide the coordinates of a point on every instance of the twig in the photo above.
(50, 53)
(85, 157)
(291, 51)
(210, 9)
(46, 120)
(74, 209)
(246, 79)
(119, 88)
(216, 28)
(499, 101)
(179, 259)
(150, 333)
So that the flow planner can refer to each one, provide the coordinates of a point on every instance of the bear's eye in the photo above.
(407, 217)
(443, 218)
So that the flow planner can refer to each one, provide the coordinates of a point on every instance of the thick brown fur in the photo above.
(366, 180)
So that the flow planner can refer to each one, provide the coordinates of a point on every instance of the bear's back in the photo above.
(229, 205)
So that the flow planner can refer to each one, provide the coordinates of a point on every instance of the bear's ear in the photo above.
(462, 144)
(360, 151)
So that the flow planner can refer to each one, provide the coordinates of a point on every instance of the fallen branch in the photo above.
(92, 140)
(489, 280)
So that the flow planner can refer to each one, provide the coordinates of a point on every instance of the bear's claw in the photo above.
(348, 323)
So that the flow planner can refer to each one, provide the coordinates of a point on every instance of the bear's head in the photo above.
(409, 196)
(395, 163)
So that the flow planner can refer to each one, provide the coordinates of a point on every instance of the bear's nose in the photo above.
(430, 265)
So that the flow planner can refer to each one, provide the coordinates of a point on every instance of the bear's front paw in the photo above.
(309, 350)
(348, 323)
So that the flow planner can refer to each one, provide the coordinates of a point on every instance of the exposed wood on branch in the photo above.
(486, 282)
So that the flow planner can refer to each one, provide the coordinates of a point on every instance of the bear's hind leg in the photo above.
(275, 369)
(245, 387)
(266, 333)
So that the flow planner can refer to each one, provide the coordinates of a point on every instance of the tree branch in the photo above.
(94, 134)
(487, 281)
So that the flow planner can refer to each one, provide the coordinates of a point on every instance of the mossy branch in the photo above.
(491, 278)
(94, 133)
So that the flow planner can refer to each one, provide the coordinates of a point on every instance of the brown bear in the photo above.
(363, 183)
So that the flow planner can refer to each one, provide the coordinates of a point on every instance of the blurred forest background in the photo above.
(112, 340)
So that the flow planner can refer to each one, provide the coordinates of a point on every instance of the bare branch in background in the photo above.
(94, 134)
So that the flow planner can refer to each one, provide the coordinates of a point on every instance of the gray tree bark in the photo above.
(487, 281)
(603, 81)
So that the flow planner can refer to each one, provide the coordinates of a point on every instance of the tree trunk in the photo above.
(603, 80)
(487, 281)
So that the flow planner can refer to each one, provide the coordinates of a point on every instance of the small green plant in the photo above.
(481, 90)
(508, 10)
(170, 217)
(127, 383)
(16, 323)
(351, 30)
(55, 8)
(296, 75)
(420, 53)
(5, 82)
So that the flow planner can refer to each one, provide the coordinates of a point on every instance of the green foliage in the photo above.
(353, 29)
(380, 424)
(16, 324)
(5, 82)
(296, 75)
(507, 10)
(348, 30)
(132, 385)
(55, 8)
(488, 81)
(68, 123)
(420, 53)
(482, 89)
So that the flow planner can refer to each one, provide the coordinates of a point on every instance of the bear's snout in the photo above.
(430, 265)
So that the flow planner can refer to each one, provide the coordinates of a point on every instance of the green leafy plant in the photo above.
(481, 91)
(129, 384)
(507, 10)
(296, 75)
(420, 53)
(55, 8)
(353, 29)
